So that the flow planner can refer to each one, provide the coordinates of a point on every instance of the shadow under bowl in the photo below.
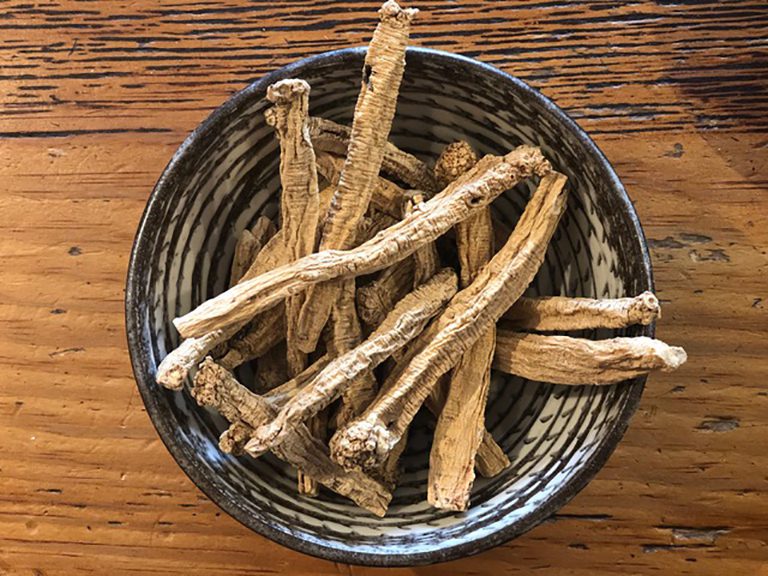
(226, 174)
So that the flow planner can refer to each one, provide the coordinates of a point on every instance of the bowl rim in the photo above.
(144, 367)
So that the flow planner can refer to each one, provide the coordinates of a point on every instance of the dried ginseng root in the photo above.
(299, 210)
(404, 323)
(374, 112)
(248, 246)
(387, 196)
(426, 260)
(332, 138)
(461, 423)
(578, 361)
(299, 201)
(366, 442)
(375, 300)
(346, 335)
(216, 387)
(245, 250)
(561, 313)
(491, 459)
(476, 189)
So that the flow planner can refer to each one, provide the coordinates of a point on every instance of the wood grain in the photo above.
(96, 96)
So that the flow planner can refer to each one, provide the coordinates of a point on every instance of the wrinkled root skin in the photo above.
(361, 446)
(645, 308)
(234, 438)
(172, 377)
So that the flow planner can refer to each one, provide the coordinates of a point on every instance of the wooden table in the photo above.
(96, 96)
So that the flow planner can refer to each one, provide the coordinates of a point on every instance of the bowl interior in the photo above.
(226, 175)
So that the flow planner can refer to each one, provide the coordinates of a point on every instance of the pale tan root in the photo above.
(245, 250)
(366, 442)
(372, 120)
(175, 367)
(346, 332)
(375, 300)
(262, 231)
(455, 160)
(299, 209)
(562, 313)
(460, 428)
(461, 424)
(299, 201)
(387, 196)
(332, 138)
(346, 335)
(404, 323)
(217, 388)
(426, 260)
(491, 459)
(578, 361)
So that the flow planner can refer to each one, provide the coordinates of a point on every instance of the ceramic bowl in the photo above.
(225, 175)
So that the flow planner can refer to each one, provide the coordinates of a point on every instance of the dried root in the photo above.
(346, 335)
(300, 210)
(374, 112)
(251, 242)
(387, 196)
(426, 260)
(175, 367)
(332, 138)
(245, 250)
(375, 300)
(299, 203)
(403, 324)
(461, 424)
(366, 442)
(490, 459)
(216, 387)
(560, 313)
(577, 361)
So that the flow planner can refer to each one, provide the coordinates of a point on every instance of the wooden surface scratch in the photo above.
(96, 96)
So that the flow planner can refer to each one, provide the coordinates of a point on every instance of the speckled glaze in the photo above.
(225, 175)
